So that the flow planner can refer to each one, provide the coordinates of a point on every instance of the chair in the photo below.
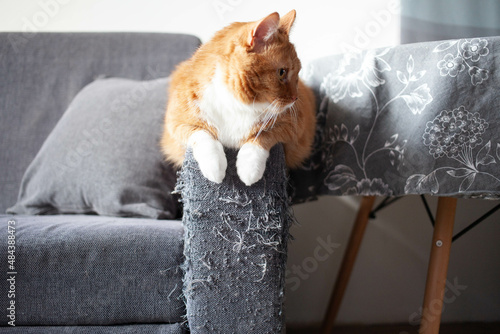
(436, 275)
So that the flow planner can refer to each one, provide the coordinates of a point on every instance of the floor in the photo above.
(465, 328)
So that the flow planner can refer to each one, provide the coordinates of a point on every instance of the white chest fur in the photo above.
(232, 118)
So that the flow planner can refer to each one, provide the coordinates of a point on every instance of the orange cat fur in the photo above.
(241, 90)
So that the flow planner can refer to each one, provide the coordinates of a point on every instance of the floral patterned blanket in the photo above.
(411, 119)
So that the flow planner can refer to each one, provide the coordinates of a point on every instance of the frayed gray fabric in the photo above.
(235, 245)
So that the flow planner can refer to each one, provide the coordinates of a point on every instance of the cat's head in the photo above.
(265, 62)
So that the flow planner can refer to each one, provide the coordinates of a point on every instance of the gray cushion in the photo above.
(130, 329)
(103, 156)
(93, 270)
(41, 74)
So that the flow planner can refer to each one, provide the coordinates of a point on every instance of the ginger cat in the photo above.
(240, 90)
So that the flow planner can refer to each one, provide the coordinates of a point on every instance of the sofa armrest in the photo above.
(235, 248)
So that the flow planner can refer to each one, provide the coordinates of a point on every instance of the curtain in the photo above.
(432, 20)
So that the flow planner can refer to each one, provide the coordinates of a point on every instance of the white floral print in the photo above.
(452, 131)
(475, 49)
(477, 75)
(347, 81)
(341, 83)
(418, 99)
(453, 64)
(455, 134)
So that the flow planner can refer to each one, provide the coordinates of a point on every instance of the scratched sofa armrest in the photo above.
(235, 247)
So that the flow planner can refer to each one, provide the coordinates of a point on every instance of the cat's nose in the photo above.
(294, 98)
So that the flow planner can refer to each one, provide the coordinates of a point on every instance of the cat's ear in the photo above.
(286, 21)
(263, 31)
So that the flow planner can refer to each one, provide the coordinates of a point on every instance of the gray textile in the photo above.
(410, 119)
(94, 270)
(235, 248)
(127, 329)
(41, 73)
(103, 156)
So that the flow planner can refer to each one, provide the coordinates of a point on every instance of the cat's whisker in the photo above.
(293, 112)
(276, 113)
(260, 131)
(274, 121)
(265, 121)
(270, 115)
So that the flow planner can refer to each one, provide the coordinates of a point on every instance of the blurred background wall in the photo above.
(388, 280)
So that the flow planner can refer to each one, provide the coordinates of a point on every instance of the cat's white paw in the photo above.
(251, 163)
(210, 155)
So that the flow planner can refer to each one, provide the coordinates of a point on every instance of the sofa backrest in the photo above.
(41, 73)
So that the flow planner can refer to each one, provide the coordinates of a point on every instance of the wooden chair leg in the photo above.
(348, 261)
(438, 266)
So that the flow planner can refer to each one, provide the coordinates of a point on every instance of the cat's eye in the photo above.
(282, 73)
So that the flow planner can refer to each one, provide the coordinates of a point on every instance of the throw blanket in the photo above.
(410, 119)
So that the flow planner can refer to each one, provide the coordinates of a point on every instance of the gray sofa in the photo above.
(93, 241)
